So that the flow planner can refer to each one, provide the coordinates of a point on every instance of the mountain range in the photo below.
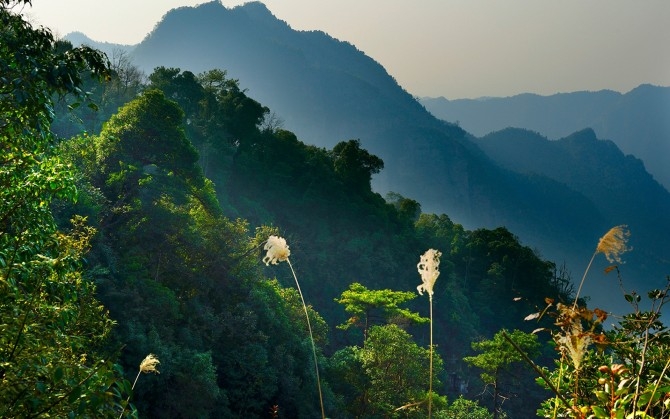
(636, 121)
(558, 197)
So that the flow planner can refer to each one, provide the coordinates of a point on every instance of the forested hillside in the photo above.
(140, 274)
(181, 276)
(340, 233)
(618, 184)
(326, 91)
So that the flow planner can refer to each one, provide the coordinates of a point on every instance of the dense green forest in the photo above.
(135, 217)
(326, 90)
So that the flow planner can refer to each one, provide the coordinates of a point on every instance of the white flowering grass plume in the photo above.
(148, 364)
(613, 244)
(278, 251)
(429, 269)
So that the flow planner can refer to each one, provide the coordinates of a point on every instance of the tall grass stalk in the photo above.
(309, 326)
(278, 251)
(613, 244)
(147, 365)
(430, 378)
(429, 269)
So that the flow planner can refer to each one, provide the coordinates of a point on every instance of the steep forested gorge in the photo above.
(174, 184)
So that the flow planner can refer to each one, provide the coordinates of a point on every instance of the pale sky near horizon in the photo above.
(450, 48)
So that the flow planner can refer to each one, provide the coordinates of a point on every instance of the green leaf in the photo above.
(638, 414)
(41, 387)
(599, 412)
(602, 396)
(58, 374)
(74, 394)
(126, 387)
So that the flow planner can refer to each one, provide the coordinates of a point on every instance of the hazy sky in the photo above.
(451, 48)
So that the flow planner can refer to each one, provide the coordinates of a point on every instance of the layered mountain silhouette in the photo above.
(617, 184)
(637, 121)
(111, 49)
(327, 91)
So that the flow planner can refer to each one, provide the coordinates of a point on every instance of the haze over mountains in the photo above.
(560, 197)
(637, 121)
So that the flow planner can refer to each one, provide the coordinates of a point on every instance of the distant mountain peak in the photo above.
(258, 12)
(635, 121)
(79, 38)
(586, 134)
(256, 7)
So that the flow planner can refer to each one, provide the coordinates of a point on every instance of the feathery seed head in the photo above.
(573, 340)
(149, 364)
(575, 343)
(429, 269)
(613, 244)
(277, 250)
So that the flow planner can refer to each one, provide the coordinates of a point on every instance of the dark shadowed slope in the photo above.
(322, 88)
(326, 91)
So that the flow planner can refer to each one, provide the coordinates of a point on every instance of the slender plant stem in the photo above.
(135, 382)
(131, 388)
(311, 336)
(576, 394)
(430, 383)
(636, 396)
(574, 306)
(560, 381)
(658, 382)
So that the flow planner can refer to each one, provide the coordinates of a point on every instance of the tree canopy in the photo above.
(53, 361)
(362, 304)
(186, 181)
